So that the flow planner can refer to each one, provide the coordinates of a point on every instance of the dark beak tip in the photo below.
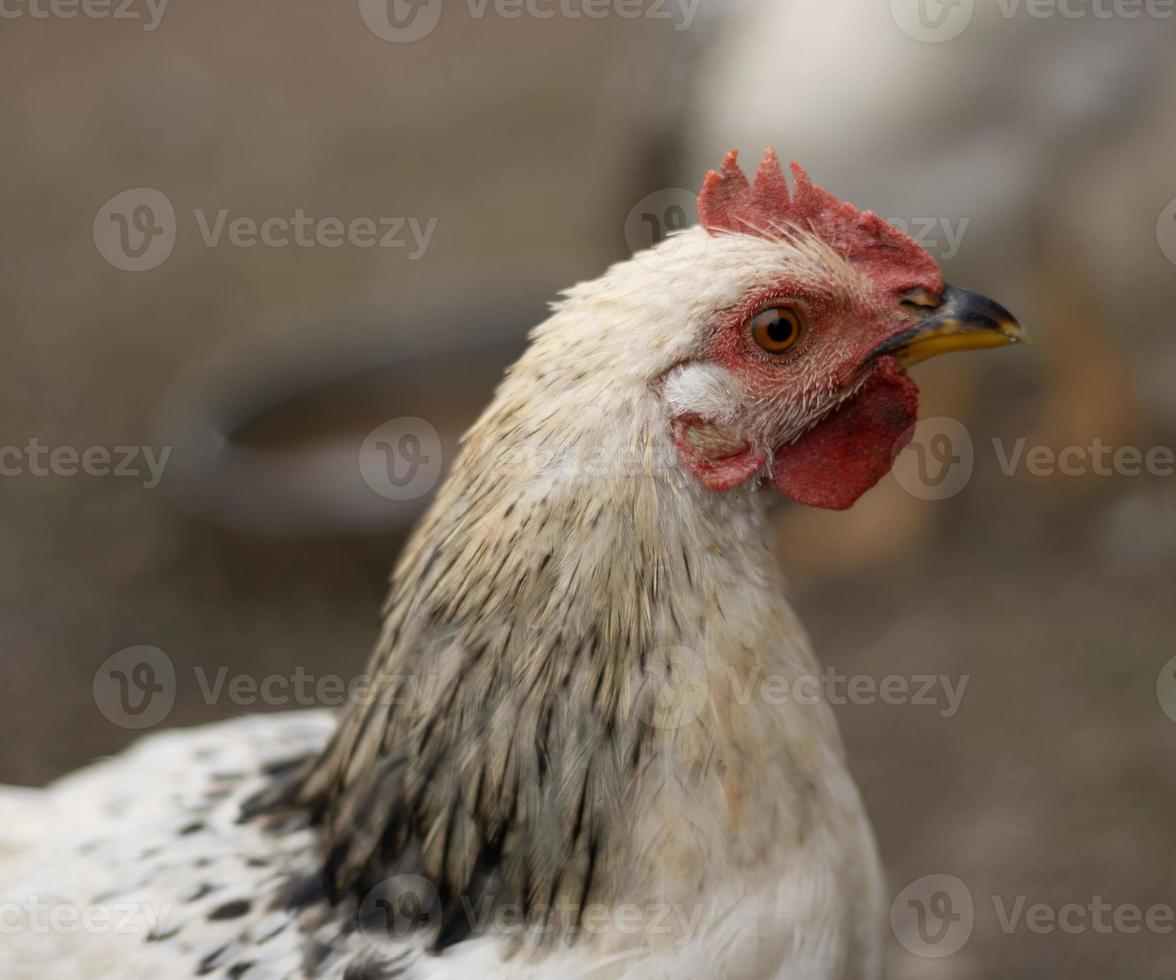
(966, 306)
(963, 320)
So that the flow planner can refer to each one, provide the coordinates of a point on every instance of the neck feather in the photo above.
(552, 640)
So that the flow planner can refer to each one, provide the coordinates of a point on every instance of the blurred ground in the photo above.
(530, 141)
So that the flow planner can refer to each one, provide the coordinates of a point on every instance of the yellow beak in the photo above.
(962, 321)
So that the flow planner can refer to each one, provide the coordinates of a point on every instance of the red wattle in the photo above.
(838, 460)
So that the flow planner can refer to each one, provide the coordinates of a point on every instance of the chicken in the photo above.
(566, 762)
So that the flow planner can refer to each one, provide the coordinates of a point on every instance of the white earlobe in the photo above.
(709, 391)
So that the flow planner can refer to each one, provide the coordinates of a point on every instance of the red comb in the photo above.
(764, 207)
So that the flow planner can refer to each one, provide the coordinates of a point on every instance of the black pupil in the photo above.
(780, 329)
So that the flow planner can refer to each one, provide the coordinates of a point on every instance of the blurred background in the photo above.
(504, 152)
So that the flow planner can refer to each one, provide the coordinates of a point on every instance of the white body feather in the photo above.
(105, 846)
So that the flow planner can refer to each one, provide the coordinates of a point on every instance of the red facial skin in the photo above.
(847, 452)
(837, 342)
(852, 447)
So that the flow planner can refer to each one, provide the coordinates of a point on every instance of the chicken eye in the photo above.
(777, 329)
